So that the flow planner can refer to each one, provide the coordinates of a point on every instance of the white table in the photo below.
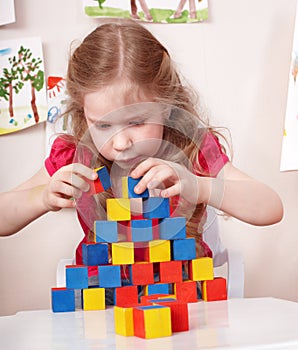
(261, 323)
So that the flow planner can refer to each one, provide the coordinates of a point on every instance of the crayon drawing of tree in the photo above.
(28, 69)
(10, 83)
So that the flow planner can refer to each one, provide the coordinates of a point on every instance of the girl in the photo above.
(131, 112)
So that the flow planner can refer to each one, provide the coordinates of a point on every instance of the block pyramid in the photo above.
(144, 242)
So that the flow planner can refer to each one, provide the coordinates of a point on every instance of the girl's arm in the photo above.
(41, 194)
(232, 191)
(242, 197)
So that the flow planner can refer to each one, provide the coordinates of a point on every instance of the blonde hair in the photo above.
(126, 50)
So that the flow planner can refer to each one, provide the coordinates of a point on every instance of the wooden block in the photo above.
(104, 177)
(63, 300)
(152, 321)
(123, 319)
(105, 231)
(109, 276)
(155, 228)
(156, 208)
(126, 296)
(183, 249)
(118, 209)
(170, 271)
(128, 185)
(186, 291)
(172, 228)
(141, 273)
(102, 183)
(201, 269)
(76, 276)
(122, 253)
(146, 299)
(94, 299)
(124, 231)
(179, 313)
(157, 288)
(213, 290)
(141, 230)
(95, 254)
(158, 250)
(136, 208)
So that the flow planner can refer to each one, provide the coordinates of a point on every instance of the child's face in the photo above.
(125, 127)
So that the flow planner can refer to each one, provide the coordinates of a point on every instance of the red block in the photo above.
(124, 232)
(126, 296)
(186, 291)
(170, 271)
(95, 186)
(214, 289)
(179, 314)
(155, 228)
(141, 273)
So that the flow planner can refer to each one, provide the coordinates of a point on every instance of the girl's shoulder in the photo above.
(62, 153)
(211, 156)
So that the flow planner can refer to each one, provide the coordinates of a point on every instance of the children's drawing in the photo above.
(56, 124)
(22, 89)
(165, 11)
(289, 155)
(7, 12)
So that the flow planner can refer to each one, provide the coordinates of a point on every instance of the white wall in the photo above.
(239, 60)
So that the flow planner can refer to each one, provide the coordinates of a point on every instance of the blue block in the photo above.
(95, 254)
(172, 228)
(131, 183)
(106, 231)
(156, 208)
(158, 288)
(183, 249)
(77, 277)
(63, 300)
(109, 276)
(141, 230)
(104, 177)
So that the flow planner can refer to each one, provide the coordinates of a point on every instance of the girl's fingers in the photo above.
(171, 191)
(144, 167)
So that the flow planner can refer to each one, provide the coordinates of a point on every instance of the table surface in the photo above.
(249, 323)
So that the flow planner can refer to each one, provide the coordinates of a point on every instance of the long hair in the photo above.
(126, 50)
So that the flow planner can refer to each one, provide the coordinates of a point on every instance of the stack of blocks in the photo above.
(144, 240)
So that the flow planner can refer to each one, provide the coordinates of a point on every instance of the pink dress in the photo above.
(211, 159)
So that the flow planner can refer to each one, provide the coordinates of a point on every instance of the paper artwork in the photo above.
(158, 11)
(23, 100)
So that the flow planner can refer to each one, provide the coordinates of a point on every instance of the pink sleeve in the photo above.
(211, 157)
(62, 153)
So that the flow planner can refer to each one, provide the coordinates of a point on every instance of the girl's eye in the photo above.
(102, 126)
(136, 122)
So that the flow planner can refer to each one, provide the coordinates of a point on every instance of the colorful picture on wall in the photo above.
(23, 100)
(289, 155)
(158, 11)
(7, 12)
(56, 122)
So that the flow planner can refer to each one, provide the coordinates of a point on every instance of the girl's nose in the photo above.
(122, 141)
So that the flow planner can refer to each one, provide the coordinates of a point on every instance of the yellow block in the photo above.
(123, 253)
(159, 250)
(94, 299)
(118, 209)
(124, 181)
(157, 322)
(123, 318)
(202, 269)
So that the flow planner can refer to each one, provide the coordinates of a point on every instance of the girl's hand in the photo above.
(67, 184)
(169, 178)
